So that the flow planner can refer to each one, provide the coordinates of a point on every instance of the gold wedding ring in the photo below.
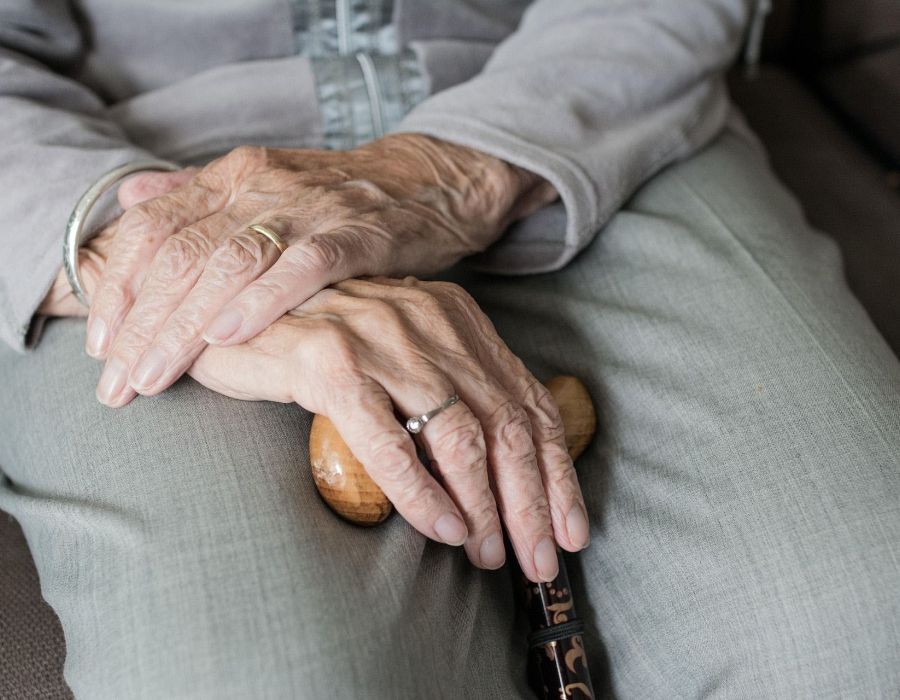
(271, 235)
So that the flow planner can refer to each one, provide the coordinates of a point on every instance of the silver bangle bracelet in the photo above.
(75, 235)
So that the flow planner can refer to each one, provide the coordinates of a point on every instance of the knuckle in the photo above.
(237, 255)
(141, 185)
(546, 412)
(361, 192)
(459, 295)
(181, 328)
(316, 254)
(337, 350)
(151, 219)
(462, 449)
(454, 294)
(486, 514)
(267, 289)
(561, 480)
(383, 313)
(513, 429)
(482, 516)
(133, 338)
(388, 448)
(248, 157)
(180, 254)
(533, 513)
(139, 221)
(427, 303)
(395, 465)
(112, 294)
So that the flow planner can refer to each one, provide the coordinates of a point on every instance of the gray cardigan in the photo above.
(595, 95)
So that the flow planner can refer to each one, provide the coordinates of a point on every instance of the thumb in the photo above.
(149, 184)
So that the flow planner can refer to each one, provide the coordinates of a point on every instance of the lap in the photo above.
(183, 545)
(743, 489)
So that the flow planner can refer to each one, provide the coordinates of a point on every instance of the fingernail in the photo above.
(545, 560)
(223, 326)
(577, 525)
(97, 336)
(492, 553)
(148, 369)
(112, 381)
(451, 529)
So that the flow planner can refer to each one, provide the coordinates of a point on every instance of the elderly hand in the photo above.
(185, 270)
(92, 257)
(363, 349)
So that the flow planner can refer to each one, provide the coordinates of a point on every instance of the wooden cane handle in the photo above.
(341, 479)
(349, 490)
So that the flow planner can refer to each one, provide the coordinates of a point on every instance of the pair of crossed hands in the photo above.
(178, 284)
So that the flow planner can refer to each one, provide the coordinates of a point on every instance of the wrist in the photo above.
(532, 192)
(60, 300)
(491, 193)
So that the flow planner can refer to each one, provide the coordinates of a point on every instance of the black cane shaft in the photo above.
(557, 664)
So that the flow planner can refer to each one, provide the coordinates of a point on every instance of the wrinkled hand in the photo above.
(360, 350)
(92, 257)
(184, 269)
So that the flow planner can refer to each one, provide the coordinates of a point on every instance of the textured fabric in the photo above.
(31, 641)
(284, 114)
(594, 94)
(806, 147)
(344, 27)
(744, 490)
(362, 97)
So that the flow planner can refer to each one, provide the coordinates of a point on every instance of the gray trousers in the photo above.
(744, 490)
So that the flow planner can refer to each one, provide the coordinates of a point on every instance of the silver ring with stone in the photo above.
(416, 423)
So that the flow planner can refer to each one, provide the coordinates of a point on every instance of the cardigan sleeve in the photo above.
(595, 96)
(54, 143)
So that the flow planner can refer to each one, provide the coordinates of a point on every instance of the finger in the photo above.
(306, 267)
(566, 501)
(517, 479)
(567, 508)
(365, 419)
(512, 457)
(149, 184)
(238, 261)
(248, 372)
(141, 232)
(172, 274)
(455, 445)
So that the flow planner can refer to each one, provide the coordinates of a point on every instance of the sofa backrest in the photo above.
(829, 29)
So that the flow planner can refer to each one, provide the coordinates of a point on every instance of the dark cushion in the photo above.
(780, 24)
(31, 640)
(847, 25)
(866, 90)
(843, 190)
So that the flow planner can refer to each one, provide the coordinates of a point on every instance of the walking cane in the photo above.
(557, 665)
